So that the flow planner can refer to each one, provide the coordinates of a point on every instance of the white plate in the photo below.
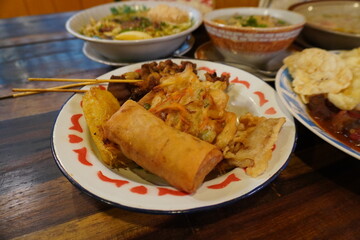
(95, 56)
(298, 109)
(76, 156)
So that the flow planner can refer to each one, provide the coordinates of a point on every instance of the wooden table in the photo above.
(316, 197)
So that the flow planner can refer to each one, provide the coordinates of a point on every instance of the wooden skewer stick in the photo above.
(81, 82)
(85, 80)
(48, 90)
(57, 87)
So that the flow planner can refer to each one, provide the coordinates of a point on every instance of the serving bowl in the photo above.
(332, 24)
(132, 50)
(252, 45)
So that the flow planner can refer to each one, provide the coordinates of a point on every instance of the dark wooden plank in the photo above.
(29, 105)
(31, 183)
(32, 29)
(317, 210)
(51, 59)
(28, 159)
(36, 50)
(40, 206)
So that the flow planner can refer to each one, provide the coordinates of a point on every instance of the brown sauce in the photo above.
(343, 125)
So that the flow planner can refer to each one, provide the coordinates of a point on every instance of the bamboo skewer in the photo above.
(62, 88)
(28, 91)
(85, 80)
(47, 90)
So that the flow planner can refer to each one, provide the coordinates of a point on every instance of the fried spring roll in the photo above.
(179, 158)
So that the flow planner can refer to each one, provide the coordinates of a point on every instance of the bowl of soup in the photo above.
(133, 31)
(331, 25)
(252, 35)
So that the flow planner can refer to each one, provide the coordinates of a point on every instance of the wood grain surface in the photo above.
(316, 197)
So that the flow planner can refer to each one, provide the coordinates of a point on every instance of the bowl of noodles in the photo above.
(135, 31)
(252, 35)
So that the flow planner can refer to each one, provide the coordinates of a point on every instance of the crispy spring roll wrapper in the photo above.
(179, 158)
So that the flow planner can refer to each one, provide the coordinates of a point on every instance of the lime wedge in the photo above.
(132, 35)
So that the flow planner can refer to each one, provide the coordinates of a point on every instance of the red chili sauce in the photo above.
(343, 125)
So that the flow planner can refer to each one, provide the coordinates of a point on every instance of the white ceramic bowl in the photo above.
(132, 50)
(253, 45)
(320, 32)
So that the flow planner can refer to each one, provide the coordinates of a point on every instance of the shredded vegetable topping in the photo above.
(176, 94)
(138, 22)
(190, 105)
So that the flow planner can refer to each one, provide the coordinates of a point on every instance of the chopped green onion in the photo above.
(147, 106)
(114, 11)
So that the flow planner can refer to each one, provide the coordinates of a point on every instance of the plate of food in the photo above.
(184, 136)
(322, 90)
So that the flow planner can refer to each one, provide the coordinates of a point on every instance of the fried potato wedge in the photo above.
(98, 106)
